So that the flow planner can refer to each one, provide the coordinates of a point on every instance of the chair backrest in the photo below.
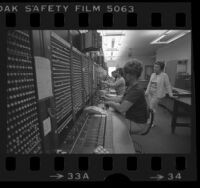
(151, 116)
(150, 121)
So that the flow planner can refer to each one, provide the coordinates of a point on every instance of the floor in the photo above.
(161, 140)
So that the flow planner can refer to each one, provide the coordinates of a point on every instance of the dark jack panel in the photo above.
(22, 111)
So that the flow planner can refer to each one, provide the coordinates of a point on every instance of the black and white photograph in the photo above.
(99, 92)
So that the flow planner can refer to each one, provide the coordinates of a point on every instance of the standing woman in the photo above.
(158, 86)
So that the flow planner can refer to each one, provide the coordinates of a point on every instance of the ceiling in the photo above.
(123, 43)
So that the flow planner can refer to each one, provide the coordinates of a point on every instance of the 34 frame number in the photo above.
(172, 176)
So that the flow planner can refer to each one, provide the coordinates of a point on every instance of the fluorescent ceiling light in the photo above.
(157, 41)
(178, 36)
(83, 31)
(169, 31)
(113, 43)
(112, 49)
(113, 34)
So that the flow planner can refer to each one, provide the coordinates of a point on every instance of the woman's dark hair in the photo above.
(161, 64)
(114, 75)
(134, 67)
(113, 72)
(120, 71)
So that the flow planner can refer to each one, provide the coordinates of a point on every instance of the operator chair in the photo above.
(137, 146)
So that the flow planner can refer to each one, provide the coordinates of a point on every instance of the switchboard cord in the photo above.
(105, 124)
(85, 92)
(104, 134)
(99, 128)
(79, 134)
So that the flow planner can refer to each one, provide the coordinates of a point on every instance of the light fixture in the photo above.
(167, 33)
(113, 42)
(111, 49)
(83, 31)
(178, 36)
(158, 39)
(113, 34)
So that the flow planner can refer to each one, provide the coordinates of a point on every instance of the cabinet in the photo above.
(177, 72)
(92, 41)
(171, 70)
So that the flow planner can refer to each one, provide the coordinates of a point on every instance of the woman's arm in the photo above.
(115, 84)
(168, 85)
(128, 100)
(122, 108)
(108, 83)
(148, 86)
(116, 99)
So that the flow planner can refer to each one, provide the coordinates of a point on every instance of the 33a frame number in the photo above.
(78, 176)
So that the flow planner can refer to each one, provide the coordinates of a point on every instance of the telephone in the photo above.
(95, 110)
(100, 150)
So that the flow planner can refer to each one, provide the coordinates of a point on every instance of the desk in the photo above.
(183, 96)
(185, 103)
(181, 92)
(109, 131)
(185, 100)
(122, 141)
(173, 105)
(96, 132)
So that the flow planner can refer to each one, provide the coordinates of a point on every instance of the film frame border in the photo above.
(155, 17)
(160, 16)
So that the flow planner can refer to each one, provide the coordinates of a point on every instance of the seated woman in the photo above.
(133, 104)
(105, 91)
(119, 85)
(114, 77)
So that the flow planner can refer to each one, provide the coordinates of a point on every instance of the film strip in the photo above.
(76, 80)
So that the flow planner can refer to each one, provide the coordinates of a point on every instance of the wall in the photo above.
(146, 59)
(180, 49)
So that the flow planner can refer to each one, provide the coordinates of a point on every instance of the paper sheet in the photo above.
(43, 74)
(47, 126)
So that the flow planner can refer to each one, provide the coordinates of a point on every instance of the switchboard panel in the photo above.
(77, 80)
(23, 129)
(61, 76)
(86, 77)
